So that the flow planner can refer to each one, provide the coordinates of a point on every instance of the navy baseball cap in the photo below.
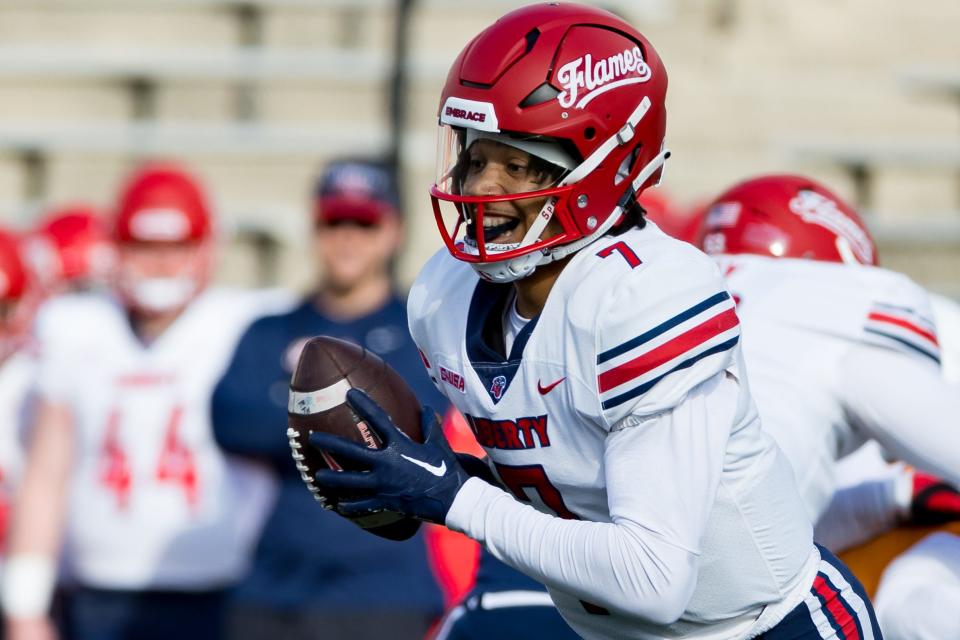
(362, 191)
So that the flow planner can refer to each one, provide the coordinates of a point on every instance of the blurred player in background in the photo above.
(17, 364)
(314, 574)
(918, 593)
(122, 462)
(596, 359)
(841, 351)
(71, 250)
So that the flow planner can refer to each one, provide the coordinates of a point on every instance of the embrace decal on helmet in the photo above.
(786, 216)
(576, 87)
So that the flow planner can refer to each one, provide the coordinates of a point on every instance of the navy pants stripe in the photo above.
(837, 608)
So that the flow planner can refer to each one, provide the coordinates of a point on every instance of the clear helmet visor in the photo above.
(508, 186)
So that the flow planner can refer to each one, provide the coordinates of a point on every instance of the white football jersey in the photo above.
(800, 319)
(633, 324)
(154, 503)
(946, 314)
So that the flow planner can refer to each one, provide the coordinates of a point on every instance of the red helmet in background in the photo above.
(16, 302)
(573, 85)
(162, 203)
(72, 248)
(162, 208)
(786, 216)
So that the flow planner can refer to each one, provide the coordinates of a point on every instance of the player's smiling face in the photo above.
(494, 168)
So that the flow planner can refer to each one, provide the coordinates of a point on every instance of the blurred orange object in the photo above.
(868, 560)
(454, 556)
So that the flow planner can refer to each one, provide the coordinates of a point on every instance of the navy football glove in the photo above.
(406, 477)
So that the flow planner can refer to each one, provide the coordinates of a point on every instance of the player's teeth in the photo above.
(492, 221)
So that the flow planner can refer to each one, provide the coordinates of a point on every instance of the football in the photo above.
(326, 370)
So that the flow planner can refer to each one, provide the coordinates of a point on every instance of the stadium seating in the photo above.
(257, 94)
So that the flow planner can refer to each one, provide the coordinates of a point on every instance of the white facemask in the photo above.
(161, 294)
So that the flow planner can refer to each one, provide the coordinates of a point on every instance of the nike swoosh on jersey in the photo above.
(544, 390)
(437, 470)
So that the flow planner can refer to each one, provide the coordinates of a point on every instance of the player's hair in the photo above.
(634, 217)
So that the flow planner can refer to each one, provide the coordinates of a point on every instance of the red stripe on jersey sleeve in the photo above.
(900, 322)
(669, 350)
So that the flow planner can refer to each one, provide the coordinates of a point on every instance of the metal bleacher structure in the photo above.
(256, 94)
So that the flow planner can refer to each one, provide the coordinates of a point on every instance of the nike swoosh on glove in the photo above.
(934, 501)
(418, 480)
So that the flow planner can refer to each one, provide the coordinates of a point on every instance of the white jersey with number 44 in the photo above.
(154, 503)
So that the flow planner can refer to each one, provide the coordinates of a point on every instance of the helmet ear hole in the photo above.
(629, 165)
(589, 133)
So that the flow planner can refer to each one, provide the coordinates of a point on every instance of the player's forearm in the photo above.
(38, 516)
(40, 502)
(249, 429)
(618, 566)
(906, 406)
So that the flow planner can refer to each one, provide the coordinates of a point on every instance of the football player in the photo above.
(17, 304)
(71, 250)
(841, 351)
(596, 359)
(919, 591)
(122, 463)
(309, 569)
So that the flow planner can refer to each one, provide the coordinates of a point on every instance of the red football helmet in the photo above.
(578, 88)
(162, 203)
(786, 217)
(162, 208)
(77, 248)
(16, 303)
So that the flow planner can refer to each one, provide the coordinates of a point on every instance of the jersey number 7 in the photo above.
(532, 476)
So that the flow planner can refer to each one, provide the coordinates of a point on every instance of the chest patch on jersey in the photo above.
(453, 379)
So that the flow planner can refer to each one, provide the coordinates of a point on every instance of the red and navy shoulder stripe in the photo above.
(632, 368)
(904, 328)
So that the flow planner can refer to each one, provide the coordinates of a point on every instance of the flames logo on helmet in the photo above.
(600, 76)
(815, 208)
